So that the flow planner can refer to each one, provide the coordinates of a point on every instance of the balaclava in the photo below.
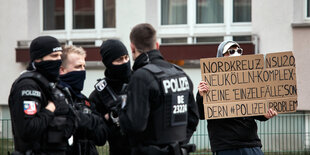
(110, 50)
(75, 80)
(40, 47)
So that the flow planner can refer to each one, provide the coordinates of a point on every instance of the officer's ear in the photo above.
(134, 51)
(133, 48)
(157, 45)
(62, 70)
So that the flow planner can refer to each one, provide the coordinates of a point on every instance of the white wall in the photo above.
(14, 26)
(271, 21)
(195, 75)
(302, 56)
(128, 14)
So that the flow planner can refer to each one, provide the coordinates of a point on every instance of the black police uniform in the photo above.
(109, 90)
(160, 113)
(91, 130)
(104, 96)
(36, 129)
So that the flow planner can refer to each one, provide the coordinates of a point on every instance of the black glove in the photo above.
(80, 106)
(88, 121)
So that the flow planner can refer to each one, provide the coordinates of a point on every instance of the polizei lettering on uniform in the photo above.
(57, 49)
(175, 84)
(34, 93)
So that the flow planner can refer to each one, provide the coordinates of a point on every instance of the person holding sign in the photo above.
(160, 115)
(232, 135)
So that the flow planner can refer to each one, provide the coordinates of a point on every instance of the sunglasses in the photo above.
(233, 51)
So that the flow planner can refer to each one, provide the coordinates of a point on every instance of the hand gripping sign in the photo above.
(249, 85)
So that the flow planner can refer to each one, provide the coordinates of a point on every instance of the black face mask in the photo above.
(49, 69)
(119, 73)
(75, 80)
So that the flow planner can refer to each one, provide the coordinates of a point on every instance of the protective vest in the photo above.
(169, 119)
(55, 139)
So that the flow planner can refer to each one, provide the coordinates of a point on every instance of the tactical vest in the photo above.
(55, 138)
(169, 120)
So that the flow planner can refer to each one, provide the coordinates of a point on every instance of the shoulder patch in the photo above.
(101, 85)
(34, 93)
(30, 107)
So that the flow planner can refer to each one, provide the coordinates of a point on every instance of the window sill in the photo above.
(301, 25)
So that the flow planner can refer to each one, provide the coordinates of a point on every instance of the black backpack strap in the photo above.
(43, 83)
(157, 71)
(177, 67)
(101, 85)
(39, 78)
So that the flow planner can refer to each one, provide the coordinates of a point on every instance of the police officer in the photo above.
(92, 130)
(111, 88)
(42, 121)
(160, 115)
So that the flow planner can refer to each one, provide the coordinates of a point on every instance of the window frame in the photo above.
(306, 10)
(69, 34)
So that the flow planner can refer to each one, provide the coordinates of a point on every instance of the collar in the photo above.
(74, 94)
(145, 58)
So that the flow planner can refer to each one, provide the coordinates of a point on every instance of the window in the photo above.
(173, 40)
(108, 13)
(53, 14)
(242, 38)
(209, 11)
(308, 8)
(173, 12)
(83, 14)
(83, 43)
(209, 39)
(242, 11)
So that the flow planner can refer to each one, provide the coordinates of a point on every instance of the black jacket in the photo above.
(231, 133)
(118, 141)
(31, 122)
(91, 130)
(143, 98)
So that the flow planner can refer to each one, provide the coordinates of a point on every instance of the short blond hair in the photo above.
(67, 49)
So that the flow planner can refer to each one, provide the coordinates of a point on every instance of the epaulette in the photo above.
(100, 85)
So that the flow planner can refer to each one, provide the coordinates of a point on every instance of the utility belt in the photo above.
(169, 149)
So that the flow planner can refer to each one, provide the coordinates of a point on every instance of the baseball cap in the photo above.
(228, 45)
